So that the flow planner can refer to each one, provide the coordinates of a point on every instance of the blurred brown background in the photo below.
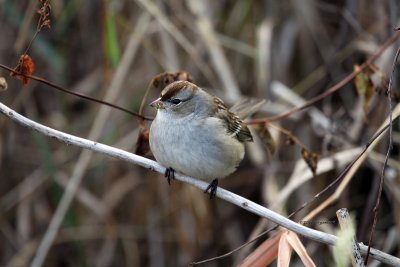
(124, 215)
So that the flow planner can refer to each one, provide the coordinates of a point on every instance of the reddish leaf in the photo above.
(264, 254)
(25, 67)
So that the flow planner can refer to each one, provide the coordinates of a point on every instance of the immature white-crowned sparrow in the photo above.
(195, 134)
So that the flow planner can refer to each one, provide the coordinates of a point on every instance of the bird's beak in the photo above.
(158, 104)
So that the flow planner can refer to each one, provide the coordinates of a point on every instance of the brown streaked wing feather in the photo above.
(234, 124)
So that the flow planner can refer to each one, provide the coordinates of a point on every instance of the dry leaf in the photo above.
(311, 159)
(296, 244)
(290, 140)
(25, 67)
(142, 146)
(395, 96)
(284, 252)
(44, 12)
(364, 86)
(161, 80)
(266, 137)
(264, 254)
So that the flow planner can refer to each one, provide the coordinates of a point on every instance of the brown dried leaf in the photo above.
(25, 67)
(264, 254)
(296, 244)
(44, 12)
(284, 252)
(311, 159)
(395, 96)
(290, 140)
(266, 137)
(142, 146)
(365, 87)
(163, 79)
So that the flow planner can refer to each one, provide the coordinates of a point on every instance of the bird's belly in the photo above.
(194, 154)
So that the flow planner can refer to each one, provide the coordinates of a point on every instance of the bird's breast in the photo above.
(198, 148)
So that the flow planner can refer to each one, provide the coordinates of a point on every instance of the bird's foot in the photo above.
(212, 187)
(169, 174)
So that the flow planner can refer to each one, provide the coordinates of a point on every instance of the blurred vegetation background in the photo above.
(124, 215)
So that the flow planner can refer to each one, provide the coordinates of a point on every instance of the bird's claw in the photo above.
(212, 187)
(169, 174)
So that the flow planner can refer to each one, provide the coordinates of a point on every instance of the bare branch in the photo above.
(221, 193)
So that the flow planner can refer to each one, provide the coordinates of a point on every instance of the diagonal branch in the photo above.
(221, 193)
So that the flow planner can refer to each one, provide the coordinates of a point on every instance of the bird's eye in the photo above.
(176, 101)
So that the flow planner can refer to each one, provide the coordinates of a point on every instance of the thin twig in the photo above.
(382, 176)
(332, 89)
(43, 21)
(55, 86)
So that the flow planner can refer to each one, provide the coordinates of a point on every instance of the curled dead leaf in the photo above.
(161, 80)
(142, 146)
(25, 67)
(290, 140)
(311, 159)
(395, 96)
(365, 87)
(266, 137)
